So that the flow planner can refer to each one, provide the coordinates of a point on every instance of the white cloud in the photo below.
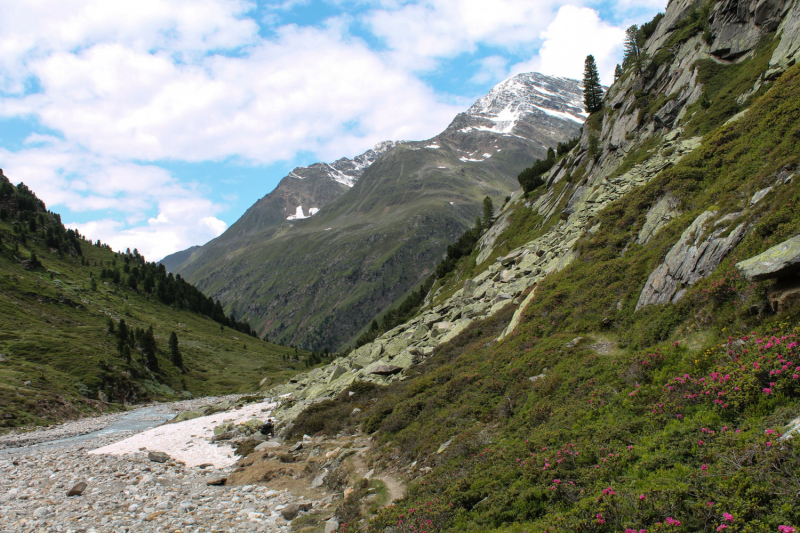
(418, 33)
(562, 54)
(292, 93)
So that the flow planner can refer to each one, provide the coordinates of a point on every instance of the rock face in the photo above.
(778, 261)
(698, 252)
(658, 216)
(739, 25)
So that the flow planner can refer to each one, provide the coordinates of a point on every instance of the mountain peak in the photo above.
(529, 93)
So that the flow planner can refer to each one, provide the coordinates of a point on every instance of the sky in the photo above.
(155, 124)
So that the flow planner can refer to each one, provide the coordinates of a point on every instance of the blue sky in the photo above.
(155, 124)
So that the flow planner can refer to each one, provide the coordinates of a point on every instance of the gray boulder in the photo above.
(332, 525)
(778, 261)
(78, 489)
(293, 509)
(385, 370)
(158, 457)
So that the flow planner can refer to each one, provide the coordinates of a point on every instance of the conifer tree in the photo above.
(592, 91)
(148, 344)
(175, 353)
(488, 212)
(617, 72)
(634, 57)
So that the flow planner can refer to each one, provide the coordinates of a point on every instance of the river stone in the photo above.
(158, 457)
(776, 262)
(78, 489)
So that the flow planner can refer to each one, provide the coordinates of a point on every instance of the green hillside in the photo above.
(58, 295)
(594, 413)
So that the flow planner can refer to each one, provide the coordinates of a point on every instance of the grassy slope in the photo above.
(641, 420)
(63, 349)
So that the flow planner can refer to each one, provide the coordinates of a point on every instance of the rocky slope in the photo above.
(316, 281)
(650, 123)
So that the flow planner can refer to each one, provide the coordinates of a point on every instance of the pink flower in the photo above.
(728, 517)
(704, 468)
(786, 529)
(723, 526)
(600, 519)
(642, 497)
(770, 431)
(672, 522)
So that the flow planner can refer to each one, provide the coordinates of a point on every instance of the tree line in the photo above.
(143, 341)
(30, 219)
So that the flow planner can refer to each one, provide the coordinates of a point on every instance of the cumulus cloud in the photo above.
(562, 54)
(418, 33)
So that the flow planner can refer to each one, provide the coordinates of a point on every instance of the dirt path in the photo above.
(394, 486)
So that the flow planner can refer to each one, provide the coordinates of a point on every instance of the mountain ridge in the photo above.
(388, 229)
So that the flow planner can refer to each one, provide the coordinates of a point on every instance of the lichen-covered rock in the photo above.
(692, 258)
(788, 51)
(776, 262)
(658, 216)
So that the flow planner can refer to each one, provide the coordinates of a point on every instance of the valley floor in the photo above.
(128, 491)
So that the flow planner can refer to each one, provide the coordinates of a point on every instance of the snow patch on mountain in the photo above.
(348, 171)
(300, 215)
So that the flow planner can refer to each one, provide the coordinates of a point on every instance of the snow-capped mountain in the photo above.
(522, 101)
(304, 262)
(527, 94)
(346, 171)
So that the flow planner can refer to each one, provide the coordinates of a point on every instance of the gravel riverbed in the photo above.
(125, 493)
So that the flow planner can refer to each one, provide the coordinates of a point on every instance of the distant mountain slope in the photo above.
(316, 281)
(58, 295)
(173, 260)
(299, 195)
